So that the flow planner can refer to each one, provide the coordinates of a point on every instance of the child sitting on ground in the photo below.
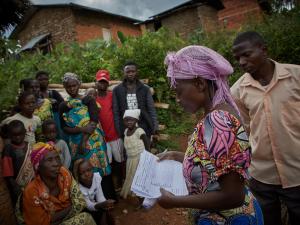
(90, 186)
(50, 133)
(16, 164)
(135, 142)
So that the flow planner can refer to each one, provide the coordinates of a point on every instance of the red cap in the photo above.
(102, 75)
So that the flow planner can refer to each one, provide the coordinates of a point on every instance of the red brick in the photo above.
(66, 25)
(236, 12)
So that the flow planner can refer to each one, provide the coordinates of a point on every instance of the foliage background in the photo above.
(280, 30)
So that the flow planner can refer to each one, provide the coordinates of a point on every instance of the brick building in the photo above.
(45, 24)
(187, 17)
(236, 12)
(207, 15)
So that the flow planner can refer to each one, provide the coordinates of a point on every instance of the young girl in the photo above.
(50, 133)
(43, 105)
(135, 141)
(26, 106)
(90, 186)
(17, 168)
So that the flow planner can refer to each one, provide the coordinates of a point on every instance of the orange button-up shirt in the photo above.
(271, 116)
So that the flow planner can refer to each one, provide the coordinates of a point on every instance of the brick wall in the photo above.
(182, 22)
(88, 25)
(58, 21)
(208, 17)
(237, 12)
(186, 21)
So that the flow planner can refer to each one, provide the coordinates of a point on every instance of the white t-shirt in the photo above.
(94, 194)
(31, 125)
(132, 101)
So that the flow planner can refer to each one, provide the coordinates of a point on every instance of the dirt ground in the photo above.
(155, 216)
(126, 213)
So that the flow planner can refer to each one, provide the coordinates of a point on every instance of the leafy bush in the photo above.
(280, 30)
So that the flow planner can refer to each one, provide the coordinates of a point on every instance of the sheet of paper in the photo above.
(151, 175)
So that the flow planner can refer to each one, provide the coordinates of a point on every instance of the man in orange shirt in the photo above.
(268, 97)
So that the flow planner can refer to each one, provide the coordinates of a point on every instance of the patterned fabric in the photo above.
(44, 111)
(95, 146)
(219, 145)
(38, 202)
(39, 150)
(16, 163)
(199, 61)
(26, 172)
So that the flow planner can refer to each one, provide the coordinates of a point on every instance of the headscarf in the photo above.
(39, 151)
(199, 61)
(70, 76)
(134, 113)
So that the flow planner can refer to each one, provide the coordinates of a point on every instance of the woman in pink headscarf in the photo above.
(218, 154)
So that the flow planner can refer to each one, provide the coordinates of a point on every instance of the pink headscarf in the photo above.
(199, 61)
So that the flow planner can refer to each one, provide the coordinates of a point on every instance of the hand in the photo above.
(107, 205)
(166, 199)
(89, 129)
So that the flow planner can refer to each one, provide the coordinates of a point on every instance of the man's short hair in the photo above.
(251, 36)
(130, 63)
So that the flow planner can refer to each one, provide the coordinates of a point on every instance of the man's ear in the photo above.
(200, 84)
(264, 50)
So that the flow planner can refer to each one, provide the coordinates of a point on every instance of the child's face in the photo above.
(28, 105)
(17, 135)
(92, 93)
(130, 122)
(86, 174)
(35, 87)
(43, 80)
(50, 132)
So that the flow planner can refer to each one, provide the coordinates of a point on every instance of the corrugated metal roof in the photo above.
(30, 44)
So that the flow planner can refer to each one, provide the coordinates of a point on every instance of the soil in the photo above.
(154, 216)
(125, 212)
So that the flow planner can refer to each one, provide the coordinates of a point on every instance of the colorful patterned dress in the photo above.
(39, 205)
(218, 146)
(44, 111)
(95, 147)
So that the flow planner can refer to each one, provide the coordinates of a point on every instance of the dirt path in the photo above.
(156, 215)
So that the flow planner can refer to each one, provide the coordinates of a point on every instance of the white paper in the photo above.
(152, 175)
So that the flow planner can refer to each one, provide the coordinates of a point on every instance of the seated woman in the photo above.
(218, 154)
(79, 119)
(53, 197)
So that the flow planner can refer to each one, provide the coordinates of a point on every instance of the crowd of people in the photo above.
(241, 165)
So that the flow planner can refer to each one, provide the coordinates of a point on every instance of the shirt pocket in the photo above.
(291, 117)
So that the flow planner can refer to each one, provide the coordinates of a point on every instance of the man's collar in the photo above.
(280, 72)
